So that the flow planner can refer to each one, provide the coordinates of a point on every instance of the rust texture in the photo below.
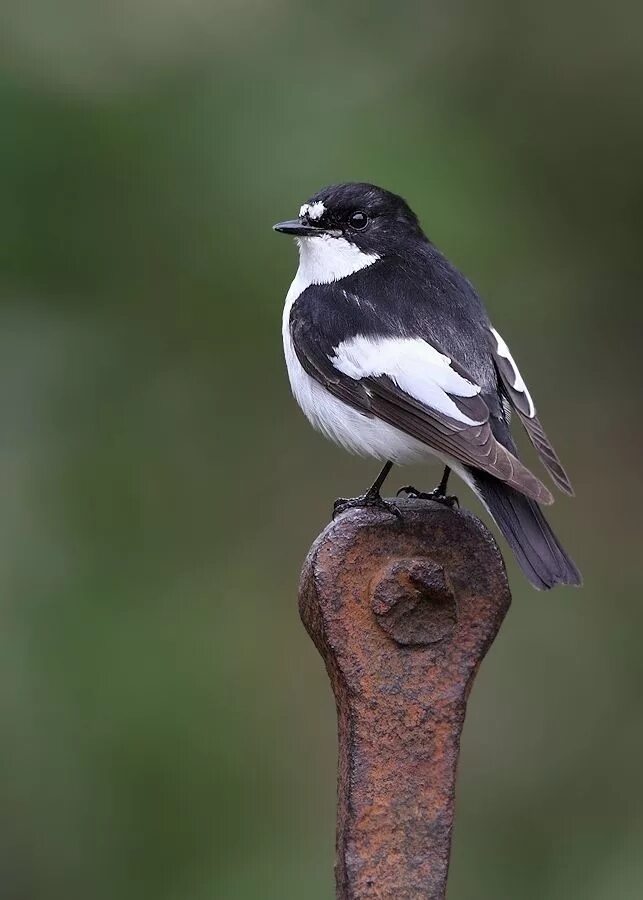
(402, 613)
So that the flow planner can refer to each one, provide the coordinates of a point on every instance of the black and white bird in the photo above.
(391, 354)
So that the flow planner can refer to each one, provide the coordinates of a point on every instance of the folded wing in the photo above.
(409, 384)
(520, 399)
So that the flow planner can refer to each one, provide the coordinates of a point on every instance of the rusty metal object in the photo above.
(402, 613)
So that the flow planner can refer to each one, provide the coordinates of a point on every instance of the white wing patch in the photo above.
(314, 211)
(415, 366)
(518, 383)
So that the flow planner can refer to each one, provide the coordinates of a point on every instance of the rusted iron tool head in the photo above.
(402, 613)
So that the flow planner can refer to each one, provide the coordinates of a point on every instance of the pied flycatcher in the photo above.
(391, 354)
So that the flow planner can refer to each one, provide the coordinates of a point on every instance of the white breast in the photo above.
(322, 264)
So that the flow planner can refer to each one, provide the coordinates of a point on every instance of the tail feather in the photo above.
(535, 546)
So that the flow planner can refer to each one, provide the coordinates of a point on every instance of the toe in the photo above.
(409, 490)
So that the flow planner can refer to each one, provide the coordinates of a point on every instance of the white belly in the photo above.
(341, 423)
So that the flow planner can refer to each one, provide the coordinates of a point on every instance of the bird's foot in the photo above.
(449, 500)
(369, 500)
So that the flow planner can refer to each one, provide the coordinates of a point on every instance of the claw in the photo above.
(436, 495)
(367, 501)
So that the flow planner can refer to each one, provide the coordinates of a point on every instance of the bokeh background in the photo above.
(168, 730)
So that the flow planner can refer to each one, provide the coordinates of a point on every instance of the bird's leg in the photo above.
(444, 481)
(375, 488)
(439, 494)
(372, 498)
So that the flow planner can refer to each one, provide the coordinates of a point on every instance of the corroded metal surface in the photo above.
(402, 613)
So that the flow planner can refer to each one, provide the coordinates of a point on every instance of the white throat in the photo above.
(324, 259)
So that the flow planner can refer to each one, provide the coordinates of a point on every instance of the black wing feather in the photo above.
(547, 454)
(472, 445)
(520, 402)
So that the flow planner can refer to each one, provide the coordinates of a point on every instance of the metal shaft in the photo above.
(402, 613)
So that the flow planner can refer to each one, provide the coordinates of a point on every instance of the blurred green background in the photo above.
(168, 730)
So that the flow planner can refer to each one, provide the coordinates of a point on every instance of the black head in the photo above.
(373, 219)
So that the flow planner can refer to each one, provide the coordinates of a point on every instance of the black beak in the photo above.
(297, 227)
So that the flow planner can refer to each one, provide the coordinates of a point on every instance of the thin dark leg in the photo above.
(442, 487)
(439, 494)
(381, 478)
(371, 498)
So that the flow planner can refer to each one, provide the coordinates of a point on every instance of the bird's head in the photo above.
(351, 225)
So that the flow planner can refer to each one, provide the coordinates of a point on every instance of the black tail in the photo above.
(534, 544)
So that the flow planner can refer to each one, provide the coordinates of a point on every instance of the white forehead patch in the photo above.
(314, 211)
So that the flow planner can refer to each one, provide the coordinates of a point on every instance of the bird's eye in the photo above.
(358, 221)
